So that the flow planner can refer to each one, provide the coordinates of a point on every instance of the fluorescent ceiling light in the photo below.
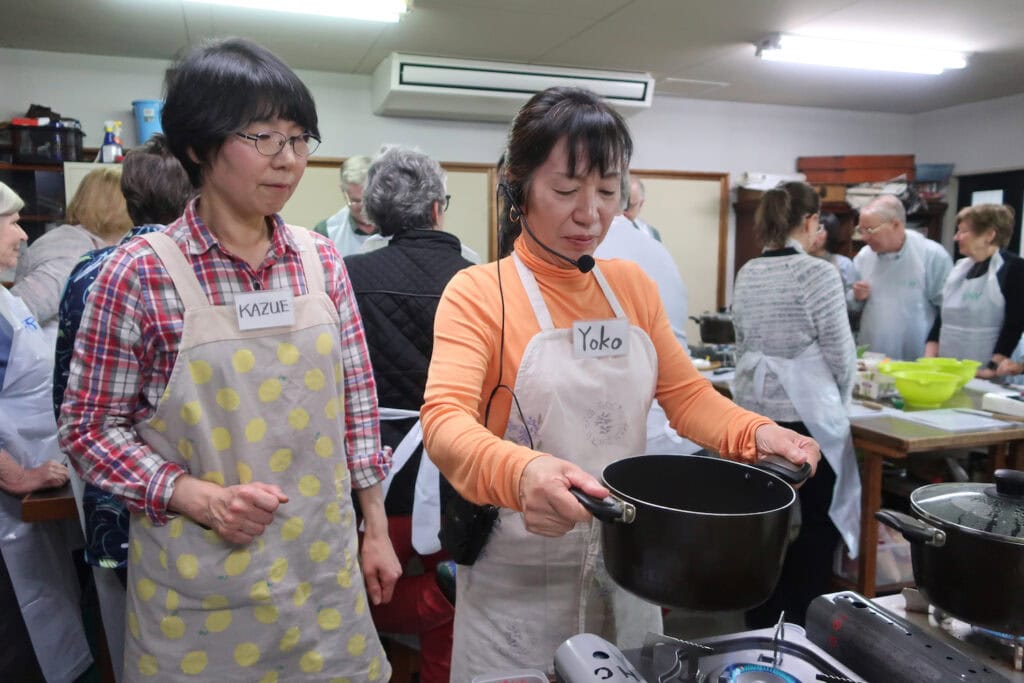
(857, 55)
(370, 10)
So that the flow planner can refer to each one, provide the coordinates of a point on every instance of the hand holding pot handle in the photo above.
(773, 440)
(549, 509)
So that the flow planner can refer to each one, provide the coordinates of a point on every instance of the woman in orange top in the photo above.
(543, 370)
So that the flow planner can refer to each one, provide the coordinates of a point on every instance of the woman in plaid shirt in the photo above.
(221, 386)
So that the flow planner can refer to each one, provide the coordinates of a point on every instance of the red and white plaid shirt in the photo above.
(128, 341)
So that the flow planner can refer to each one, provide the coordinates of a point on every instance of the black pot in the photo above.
(715, 328)
(967, 546)
(693, 531)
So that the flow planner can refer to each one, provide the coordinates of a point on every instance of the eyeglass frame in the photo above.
(275, 134)
(871, 231)
(445, 203)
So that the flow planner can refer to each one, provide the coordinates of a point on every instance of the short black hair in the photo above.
(222, 86)
(155, 186)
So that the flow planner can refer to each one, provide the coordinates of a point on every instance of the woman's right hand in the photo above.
(548, 507)
(238, 513)
(49, 475)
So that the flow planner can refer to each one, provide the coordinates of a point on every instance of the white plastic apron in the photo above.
(897, 316)
(426, 504)
(972, 312)
(38, 554)
(262, 405)
(526, 594)
(812, 390)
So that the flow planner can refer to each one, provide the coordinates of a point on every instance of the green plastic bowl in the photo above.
(926, 389)
(964, 369)
(894, 366)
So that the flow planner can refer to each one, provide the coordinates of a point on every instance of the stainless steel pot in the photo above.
(696, 532)
(967, 546)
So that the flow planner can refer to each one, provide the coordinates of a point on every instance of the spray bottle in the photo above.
(111, 151)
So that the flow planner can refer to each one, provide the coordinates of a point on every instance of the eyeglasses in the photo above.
(447, 201)
(271, 142)
(871, 231)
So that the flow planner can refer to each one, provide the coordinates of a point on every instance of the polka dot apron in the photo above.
(265, 406)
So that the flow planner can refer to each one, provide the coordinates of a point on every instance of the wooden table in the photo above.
(49, 504)
(877, 437)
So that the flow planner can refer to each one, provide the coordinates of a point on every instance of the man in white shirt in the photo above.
(637, 195)
(902, 275)
(350, 227)
(624, 241)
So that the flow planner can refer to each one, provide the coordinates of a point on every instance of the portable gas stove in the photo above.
(722, 353)
(776, 655)
(897, 640)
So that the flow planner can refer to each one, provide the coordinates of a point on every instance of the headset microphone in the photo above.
(584, 263)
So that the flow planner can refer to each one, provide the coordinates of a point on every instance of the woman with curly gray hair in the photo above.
(398, 288)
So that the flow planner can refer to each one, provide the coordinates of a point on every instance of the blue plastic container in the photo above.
(147, 118)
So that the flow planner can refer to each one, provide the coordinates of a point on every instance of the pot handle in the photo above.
(779, 466)
(607, 510)
(912, 529)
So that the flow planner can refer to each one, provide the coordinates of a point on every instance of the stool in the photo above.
(403, 651)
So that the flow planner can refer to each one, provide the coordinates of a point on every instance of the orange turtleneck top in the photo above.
(464, 367)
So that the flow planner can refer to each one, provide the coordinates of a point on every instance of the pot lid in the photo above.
(994, 509)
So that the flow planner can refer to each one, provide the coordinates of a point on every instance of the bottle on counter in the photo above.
(111, 151)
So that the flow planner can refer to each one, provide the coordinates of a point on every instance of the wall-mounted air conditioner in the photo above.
(435, 87)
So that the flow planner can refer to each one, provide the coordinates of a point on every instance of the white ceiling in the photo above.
(694, 48)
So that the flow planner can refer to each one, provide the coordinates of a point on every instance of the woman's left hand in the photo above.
(380, 565)
(771, 439)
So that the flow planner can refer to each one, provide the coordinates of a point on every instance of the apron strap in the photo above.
(311, 264)
(609, 294)
(540, 309)
(180, 270)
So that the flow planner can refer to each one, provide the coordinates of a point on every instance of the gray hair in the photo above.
(888, 207)
(353, 170)
(10, 202)
(401, 188)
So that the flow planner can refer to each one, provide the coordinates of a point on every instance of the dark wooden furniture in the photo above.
(748, 246)
(41, 186)
(48, 505)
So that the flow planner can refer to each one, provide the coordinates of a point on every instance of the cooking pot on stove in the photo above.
(967, 546)
(696, 532)
(715, 328)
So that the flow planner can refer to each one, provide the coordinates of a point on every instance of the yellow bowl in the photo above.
(964, 369)
(925, 389)
(894, 366)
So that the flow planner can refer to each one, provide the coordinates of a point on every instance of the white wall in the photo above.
(977, 137)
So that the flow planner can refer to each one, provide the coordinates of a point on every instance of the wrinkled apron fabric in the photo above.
(812, 390)
(972, 312)
(256, 406)
(526, 594)
(38, 554)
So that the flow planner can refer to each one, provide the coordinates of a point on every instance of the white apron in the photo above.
(812, 390)
(898, 316)
(972, 312)
(262, 405)
(526, 594)
(426, 504)
(38, 554)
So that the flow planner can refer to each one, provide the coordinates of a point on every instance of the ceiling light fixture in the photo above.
(857, 55)
(369, 10)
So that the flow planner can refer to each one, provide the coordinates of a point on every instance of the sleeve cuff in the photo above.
(370, 470)
(159, 491)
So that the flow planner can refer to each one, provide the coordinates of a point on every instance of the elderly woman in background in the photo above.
(825, 245)
(97, 217)
(40, 623)
(982, 314)
(796, 363)
(398, 288)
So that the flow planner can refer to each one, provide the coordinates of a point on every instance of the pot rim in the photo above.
(618, 493)
(947, 525)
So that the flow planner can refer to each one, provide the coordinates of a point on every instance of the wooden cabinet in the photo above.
(747, 245)
(41, 187)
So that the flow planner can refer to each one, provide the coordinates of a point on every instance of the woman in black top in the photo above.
(982, 315)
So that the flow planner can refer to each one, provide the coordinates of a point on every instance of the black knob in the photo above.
(1010, 483)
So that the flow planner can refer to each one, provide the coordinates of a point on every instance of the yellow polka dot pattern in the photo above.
(281, 460)
(298, 418)
(323, 446)
(256, 430)
(356, 645)
(228, 399)
(269, 391)
(332, 408)
(324, 344)
(148, 665)
(302, 593)
(237, 562)
(332, 513)
(200, 371)
(220, 438)
(329, 619)
(133, 624)
(312, 662)
(292, 528)
(214, 478)
(288, 353)
(269, 677)
(194, 662)
(211, 602)
(309, 485)
(145, 589)
(243, 361)
(171, 601)
(278, 569)
(244, 473)
(159, 425)
(185, 449)
(247, 654)
(218, 620)
(172, 627)
(260, 592)
(290, 639)
(265, 614)
(188, 566)
(191, 413)
(175, 527)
